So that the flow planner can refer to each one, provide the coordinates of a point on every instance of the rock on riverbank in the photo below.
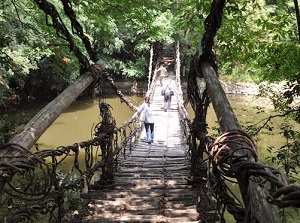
(251, 88)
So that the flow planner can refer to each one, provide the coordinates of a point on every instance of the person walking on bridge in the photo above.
(167, 91)
(147, 119)
(162, 73)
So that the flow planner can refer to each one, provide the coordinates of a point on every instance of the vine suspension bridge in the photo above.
(150, 184)
(129, 180)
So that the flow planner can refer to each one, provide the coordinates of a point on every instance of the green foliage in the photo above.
(256, 42)
(256, 39)
(7, 129)
(239, 73)
(24, 43)
(23, 49)
(31, 183)
(189, 22)
(250, 34)
(75, 203)
(129, 69)
(279, 62)
(261, 45)
(131, 40)
(287, 156)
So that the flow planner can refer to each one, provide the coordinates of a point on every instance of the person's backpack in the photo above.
(167, 91)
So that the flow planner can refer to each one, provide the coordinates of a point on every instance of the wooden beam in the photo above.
(258, 210)
(33, 130)
(221, 105)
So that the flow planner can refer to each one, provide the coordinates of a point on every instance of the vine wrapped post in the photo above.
(33, 130)
(150, 67)
(258, 210)
(46, 116)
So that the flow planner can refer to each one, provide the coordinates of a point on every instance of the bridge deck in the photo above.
(150, 181)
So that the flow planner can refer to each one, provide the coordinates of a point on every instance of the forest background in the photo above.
(258, 41)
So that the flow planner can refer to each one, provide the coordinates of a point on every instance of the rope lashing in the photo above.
(24, 164)
(199, 129)
(288, 196)
(231, 148)
(97, 70)
(28, 178)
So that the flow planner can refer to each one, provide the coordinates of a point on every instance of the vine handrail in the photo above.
(184, 116)
(108, 142)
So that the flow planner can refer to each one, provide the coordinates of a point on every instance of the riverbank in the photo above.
(249, 90)
(243, 88)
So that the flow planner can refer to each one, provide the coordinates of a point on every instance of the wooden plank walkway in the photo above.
(150, 181)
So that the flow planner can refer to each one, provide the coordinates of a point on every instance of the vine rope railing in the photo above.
(233, 156)
(33, 183)
(34, 179)
(184, 116)
(228, 164)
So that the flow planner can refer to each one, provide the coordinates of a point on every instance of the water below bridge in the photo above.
(76, 123)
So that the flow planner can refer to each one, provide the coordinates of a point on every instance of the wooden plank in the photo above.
(150, 184)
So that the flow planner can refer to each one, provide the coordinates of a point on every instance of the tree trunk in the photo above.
(33, 130)
(224, 112)
(254, 196)
(298, 17)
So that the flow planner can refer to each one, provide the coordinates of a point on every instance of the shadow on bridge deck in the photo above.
(150, 184)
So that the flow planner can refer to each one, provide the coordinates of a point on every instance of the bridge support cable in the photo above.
(150, 67)
(205, 204)
(200, 167)
(184, 116)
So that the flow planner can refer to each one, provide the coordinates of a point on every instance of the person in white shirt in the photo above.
(148, 119)
(162, 73)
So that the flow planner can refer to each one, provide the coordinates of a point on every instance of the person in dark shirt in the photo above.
(167, 91)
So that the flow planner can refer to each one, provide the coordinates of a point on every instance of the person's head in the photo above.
(147, 99)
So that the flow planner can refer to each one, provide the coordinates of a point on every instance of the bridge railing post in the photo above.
(236, 150)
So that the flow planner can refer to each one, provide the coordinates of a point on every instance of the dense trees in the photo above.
(258, 40)
(46, 45)
(120, 32)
